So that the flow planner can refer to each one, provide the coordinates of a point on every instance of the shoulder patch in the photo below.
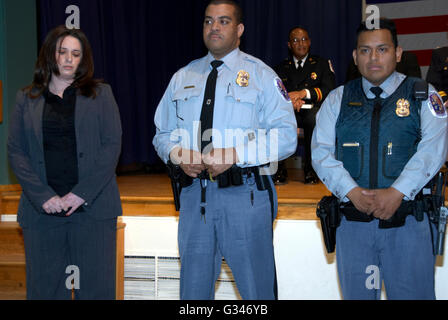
(281, 88)
(436, 106)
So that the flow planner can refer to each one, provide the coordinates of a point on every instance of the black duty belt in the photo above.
(397, 220)
(233, 177)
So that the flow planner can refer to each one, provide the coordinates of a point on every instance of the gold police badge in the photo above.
(243, 79)
(403, 108)
(314, 76)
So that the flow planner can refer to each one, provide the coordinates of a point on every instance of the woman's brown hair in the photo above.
(46, 64)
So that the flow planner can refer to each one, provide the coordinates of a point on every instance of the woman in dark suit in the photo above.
(64, 143)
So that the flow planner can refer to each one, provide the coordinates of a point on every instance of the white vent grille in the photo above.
(158, 278)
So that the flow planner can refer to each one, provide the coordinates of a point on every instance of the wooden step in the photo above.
(13, 266)
(12, 262)
(12, 279)
(11, 239)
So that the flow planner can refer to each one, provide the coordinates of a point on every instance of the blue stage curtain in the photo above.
(139, 44)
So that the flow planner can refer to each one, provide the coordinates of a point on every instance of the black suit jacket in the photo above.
(98, 138)
(315, 75)
(438, 71)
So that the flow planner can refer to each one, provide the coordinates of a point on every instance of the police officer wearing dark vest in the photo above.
(375, 146)
(308, 79)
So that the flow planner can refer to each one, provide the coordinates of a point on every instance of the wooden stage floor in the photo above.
(150, 195)
(296, 200)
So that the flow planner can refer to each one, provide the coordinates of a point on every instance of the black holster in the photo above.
(434, 205)
(179, 180)
(330, 218)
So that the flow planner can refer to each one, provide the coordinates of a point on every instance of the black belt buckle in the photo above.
(399, 218)
(236, 176)
(352, 214)
(224, 179)
(233, 177)
(393, 222)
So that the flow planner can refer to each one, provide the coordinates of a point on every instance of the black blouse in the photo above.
(59, 137)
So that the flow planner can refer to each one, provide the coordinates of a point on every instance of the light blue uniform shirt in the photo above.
(426, 162)
(257, 120)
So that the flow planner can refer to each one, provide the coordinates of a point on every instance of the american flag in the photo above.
(421, 25)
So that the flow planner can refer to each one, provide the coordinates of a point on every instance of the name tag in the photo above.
(351, 144)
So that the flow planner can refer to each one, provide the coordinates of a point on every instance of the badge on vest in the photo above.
(436, 106)
(281, 88)
(243, 79)
(403, 108)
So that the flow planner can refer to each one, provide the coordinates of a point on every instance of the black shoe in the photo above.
(311, 178)
(280, 180)
(280, 177)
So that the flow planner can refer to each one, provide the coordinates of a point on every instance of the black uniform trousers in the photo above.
(54, 253)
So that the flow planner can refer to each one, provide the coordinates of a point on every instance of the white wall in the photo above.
(304, 270)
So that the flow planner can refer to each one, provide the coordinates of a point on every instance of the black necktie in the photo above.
(374, 136)
(209, 103)
(377, 91)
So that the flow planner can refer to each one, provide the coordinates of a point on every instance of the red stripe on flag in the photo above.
(423, 56)
(422, 24)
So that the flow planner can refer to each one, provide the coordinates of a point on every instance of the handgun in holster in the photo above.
(437, 212)
(330, 219)
(179, 180)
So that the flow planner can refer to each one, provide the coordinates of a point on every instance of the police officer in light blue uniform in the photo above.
(253, 125)
(377, 146)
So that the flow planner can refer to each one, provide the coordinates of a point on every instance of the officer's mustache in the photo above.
(211, 34)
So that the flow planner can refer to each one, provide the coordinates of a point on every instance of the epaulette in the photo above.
(250, 58)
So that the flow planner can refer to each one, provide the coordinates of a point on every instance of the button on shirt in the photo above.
(301, 63)
(59, 139)
(430, 155)
(252, 113)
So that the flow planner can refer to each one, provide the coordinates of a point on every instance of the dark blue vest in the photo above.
(399, 133)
